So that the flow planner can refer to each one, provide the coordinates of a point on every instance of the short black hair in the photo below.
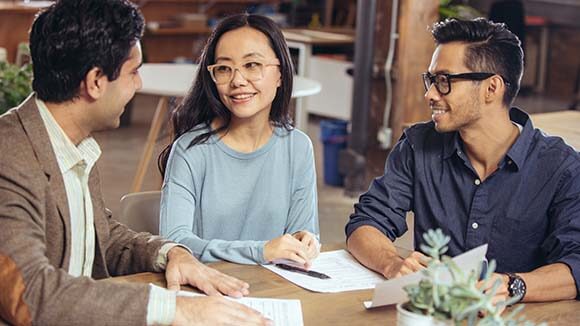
(71, 37)
(491, 48)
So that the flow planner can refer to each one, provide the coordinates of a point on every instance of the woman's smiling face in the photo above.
(242, 49)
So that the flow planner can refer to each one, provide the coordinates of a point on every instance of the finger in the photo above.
(312, 245)
(298, 235)
(406, 271)
(297, 258)
(172, 278)
(297, 248)
(303, 253)
(224, 283)
(230, 283)
(413, 263)
(421, 259)
(306, 239)
(208, 288)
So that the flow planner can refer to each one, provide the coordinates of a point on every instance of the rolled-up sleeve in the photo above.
(389, 198)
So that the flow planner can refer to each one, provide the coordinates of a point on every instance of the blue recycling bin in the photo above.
(334, 136)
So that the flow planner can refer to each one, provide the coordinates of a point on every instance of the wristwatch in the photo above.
(516, 286)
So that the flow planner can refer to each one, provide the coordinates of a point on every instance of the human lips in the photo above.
(242, 97)
(438, 112)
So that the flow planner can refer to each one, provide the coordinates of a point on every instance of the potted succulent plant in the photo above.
(15, 84)
(436, 301)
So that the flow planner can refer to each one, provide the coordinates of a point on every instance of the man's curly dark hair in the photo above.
(71, 37)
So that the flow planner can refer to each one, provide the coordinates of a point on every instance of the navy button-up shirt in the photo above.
(528, 210)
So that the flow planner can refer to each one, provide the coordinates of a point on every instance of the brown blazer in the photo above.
(35, 239)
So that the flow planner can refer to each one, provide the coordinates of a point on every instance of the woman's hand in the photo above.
(310, 241)
(287, 247)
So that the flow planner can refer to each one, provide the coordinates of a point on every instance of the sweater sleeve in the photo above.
(303, 213)
(178, 204)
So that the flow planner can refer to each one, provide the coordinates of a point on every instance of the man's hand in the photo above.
(502, 293)
(287, 247)
(183, 268)
(400, 267)
(310, 241)
(215, 311)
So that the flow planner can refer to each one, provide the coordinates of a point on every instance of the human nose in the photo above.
(238, 79)
(138, 82)
(432, 94)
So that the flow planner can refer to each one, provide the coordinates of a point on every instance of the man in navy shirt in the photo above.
(480, 172)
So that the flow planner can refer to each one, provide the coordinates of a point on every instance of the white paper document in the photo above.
(346, 274)
(391, 291)
(281, 311)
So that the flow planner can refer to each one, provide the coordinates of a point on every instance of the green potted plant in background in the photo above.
(435, 301)
(457, 9)
(15, 84)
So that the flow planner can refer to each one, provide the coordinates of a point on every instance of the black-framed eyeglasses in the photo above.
(443, 81)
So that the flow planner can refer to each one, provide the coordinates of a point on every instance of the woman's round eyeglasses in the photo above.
(223, 73)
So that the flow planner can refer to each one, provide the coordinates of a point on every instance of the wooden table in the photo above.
(565, 124)
(346, 308)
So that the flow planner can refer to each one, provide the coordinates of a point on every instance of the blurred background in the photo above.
(360, 63)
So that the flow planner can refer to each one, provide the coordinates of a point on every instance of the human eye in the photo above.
(440, 79)
(252, 66)
(222, 69)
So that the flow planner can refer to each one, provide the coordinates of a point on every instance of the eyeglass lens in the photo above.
(251, 71)
(441, 82)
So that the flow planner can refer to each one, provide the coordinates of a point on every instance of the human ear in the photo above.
(95, 83)
(495, 89)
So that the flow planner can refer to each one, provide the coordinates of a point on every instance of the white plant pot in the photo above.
(407, 318)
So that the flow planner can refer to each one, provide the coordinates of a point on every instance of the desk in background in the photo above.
(346, 308)
(175, 80)
(565, 124)
(336, 97)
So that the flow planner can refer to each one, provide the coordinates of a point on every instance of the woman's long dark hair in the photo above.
(202, 105)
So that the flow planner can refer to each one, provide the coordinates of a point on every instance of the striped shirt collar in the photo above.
(67, 154)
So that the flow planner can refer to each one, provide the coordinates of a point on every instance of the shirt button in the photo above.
(475, 225)
(509, 162)
(477, 182)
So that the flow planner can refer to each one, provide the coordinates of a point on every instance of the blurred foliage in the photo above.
(15, 84)
(457, 9)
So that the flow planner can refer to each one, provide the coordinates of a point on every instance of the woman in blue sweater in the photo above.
(239, 180)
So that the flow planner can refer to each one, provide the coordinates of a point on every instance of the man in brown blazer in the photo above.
(56, 236)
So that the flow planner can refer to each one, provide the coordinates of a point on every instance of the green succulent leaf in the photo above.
(463, 298)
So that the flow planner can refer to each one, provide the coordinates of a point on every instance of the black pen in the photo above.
(303, 271)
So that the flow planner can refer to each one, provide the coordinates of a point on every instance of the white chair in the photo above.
(140, 211)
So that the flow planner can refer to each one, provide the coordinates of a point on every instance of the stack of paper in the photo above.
(391, 291)
(281, 312)
(346, 274)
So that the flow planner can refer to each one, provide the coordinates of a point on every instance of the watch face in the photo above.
(517, 287)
